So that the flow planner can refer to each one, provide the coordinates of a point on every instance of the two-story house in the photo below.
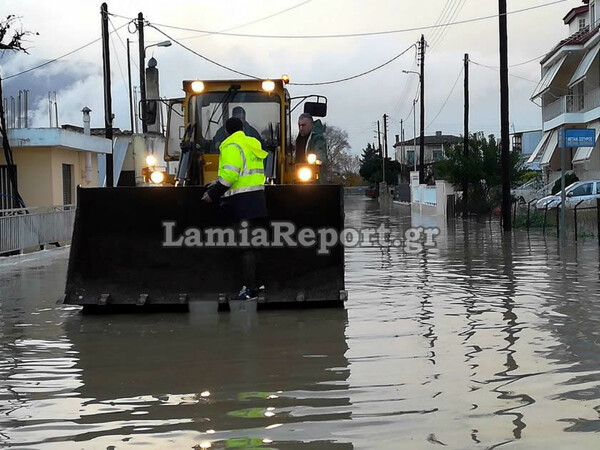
(569, 95)
(435, 147)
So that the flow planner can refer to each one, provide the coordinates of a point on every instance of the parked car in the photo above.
(580, 191)
(527, 192)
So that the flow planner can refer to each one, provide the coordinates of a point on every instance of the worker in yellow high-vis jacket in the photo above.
(240, 187)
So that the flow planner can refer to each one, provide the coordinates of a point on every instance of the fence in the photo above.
(582, 218)
(34, 227)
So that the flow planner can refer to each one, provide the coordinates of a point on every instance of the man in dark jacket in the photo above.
(312, 140)
(249, 130)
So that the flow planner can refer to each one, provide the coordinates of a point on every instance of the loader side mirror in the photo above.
(148, 111)
(315, 109)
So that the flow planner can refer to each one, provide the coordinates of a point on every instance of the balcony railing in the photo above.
(572, 104)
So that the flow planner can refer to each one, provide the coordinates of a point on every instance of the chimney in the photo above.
(397, 138)
(438, 133)
(86, 120)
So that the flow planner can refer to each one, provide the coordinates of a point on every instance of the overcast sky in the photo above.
(354, 106)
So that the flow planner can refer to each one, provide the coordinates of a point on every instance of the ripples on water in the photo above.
(479, 342)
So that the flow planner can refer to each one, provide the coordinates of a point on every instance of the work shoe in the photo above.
(246, 294)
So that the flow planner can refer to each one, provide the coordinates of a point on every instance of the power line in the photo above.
(254, 21)
(520, 64)
(389, 61)
(317, 83)
(363, 34)
(123, 43)
(440, 18)
(202, 56)
(56, 59)
(497, 69)
(117, 55)
(447, 98)
(399, 105)
(457, 10)
(448, 17)
(414, 102)
(261, 19)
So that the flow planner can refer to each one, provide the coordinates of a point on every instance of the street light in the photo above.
(414, 122)
(412, 71)
(158, 44)
(422, 142)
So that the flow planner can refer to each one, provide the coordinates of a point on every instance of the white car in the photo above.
(585, 192)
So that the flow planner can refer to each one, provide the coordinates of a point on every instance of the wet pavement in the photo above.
(482, 341)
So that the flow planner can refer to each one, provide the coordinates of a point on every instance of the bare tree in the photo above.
(11, 38)
(338, 147)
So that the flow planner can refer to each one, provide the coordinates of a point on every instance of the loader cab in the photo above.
(262, 106)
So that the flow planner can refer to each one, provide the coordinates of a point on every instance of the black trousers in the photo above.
(250, 256)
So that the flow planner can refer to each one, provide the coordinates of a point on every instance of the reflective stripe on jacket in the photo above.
(241, 164)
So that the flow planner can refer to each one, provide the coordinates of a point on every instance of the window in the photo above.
(7, 198)
(576, 98)
(518, 143)
(582, 23)
(584, 189)
(67, 179)
(438, 155)
(410, 157)
(259, 110)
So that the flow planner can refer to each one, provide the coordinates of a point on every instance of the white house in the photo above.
(569, 94)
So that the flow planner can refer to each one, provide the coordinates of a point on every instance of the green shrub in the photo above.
(570, 178)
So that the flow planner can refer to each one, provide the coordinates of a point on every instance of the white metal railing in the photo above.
(32, 227)
(430, 196)
(554, 109)
(572, 104)
(416, 197)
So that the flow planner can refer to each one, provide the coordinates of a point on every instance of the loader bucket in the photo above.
(118, 258)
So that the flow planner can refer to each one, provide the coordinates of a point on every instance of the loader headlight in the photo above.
(268, 86)
(157, 177)
(197, 86)
(151, 160)
(305, 174)
(311, 158)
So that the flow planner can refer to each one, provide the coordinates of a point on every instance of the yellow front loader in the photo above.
(120, 257)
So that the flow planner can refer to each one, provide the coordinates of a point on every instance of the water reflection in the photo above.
(484, 340)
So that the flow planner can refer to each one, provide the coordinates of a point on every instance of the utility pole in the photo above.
(379, 140)
(415, 134)
(465, 186)
(385, 144)
(385, 127)
(108, 116)
(130, 94)
(142, 70)
(504, 124)
(422, 143)
(401, 141)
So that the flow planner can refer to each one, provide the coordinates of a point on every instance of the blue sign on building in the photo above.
(580, 137)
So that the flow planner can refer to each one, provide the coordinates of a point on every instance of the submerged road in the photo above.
(480, 341)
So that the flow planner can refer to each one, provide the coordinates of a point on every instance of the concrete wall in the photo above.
(39, 173)
(34, 175)
(77, 160)
(574, 25)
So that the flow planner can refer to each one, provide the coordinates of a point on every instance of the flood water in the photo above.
(478, 342)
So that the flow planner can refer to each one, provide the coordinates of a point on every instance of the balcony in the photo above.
(572, 104)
